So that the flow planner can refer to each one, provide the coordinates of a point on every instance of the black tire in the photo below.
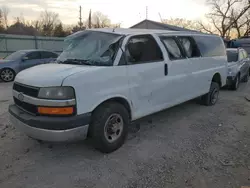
(236, 83)
(211, 97)
(98, 127)
(9, 78)
(246, 78)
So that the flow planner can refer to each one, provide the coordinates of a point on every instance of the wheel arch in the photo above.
(118, 99)
(217, 78)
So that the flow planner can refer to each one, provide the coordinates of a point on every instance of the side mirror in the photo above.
(25, 58)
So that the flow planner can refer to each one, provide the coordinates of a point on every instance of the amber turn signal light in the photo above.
(55, 111)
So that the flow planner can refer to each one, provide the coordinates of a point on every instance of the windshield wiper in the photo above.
(76, 62)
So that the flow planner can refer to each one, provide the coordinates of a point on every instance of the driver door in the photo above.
(30, 60)
(145, 71)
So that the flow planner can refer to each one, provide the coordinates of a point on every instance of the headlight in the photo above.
(56, 93)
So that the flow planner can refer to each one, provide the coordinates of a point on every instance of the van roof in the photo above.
(123, 31)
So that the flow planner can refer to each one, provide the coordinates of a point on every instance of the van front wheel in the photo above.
(109, 127)
(211, 97)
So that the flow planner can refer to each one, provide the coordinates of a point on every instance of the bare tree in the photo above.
(47, 22)
(1, 22)
(224, 15)
(242, 26)
(5, 12)
(90, 19)
(99, 20)
(180, 22)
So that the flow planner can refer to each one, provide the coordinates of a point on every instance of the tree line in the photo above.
(227, 18)
(49, 24)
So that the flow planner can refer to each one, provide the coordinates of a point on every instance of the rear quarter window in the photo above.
(210, 46)
(46, 55)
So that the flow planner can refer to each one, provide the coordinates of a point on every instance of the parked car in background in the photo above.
(21, 60)
(238, 67)
(243, 42)
(106, 78)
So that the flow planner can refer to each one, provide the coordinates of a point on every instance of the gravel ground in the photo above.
(185, 146)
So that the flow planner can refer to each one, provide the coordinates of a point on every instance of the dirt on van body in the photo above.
(186, 146)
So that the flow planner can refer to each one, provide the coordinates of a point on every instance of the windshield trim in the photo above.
(80, 33)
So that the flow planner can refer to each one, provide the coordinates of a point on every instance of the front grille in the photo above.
(27, 90)
(25, 106)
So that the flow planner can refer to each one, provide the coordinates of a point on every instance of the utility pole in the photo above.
(90, 19)
(160, 17)
(146, 12)
(80, 18)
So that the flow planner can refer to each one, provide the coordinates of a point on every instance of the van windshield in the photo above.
(90, 48)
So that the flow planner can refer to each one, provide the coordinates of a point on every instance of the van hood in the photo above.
(50, 74)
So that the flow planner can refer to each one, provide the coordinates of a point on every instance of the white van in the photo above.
(106, 78)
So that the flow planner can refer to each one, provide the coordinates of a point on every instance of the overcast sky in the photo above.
(127, 12)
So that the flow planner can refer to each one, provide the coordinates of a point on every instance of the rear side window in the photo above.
(190, 47)
(210, 46)
(172, 47)
(232, 56)
(34, 55)
(46, 55)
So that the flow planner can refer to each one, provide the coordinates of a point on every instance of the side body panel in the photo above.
(213, 60)
(145, 86)
(93, 88)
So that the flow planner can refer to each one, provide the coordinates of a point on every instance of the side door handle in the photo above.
(166, 69)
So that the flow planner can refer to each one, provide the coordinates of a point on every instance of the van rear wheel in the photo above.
(109, 127)
(212, 96)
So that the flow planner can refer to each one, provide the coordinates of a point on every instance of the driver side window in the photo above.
(143, 49)
(33, 55)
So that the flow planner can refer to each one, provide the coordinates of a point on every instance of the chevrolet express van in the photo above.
(106, 78)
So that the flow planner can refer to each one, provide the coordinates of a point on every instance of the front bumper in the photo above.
(55, 129)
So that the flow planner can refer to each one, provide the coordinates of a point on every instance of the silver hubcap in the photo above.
(113, 127)
(7, 75)
(215, 96)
